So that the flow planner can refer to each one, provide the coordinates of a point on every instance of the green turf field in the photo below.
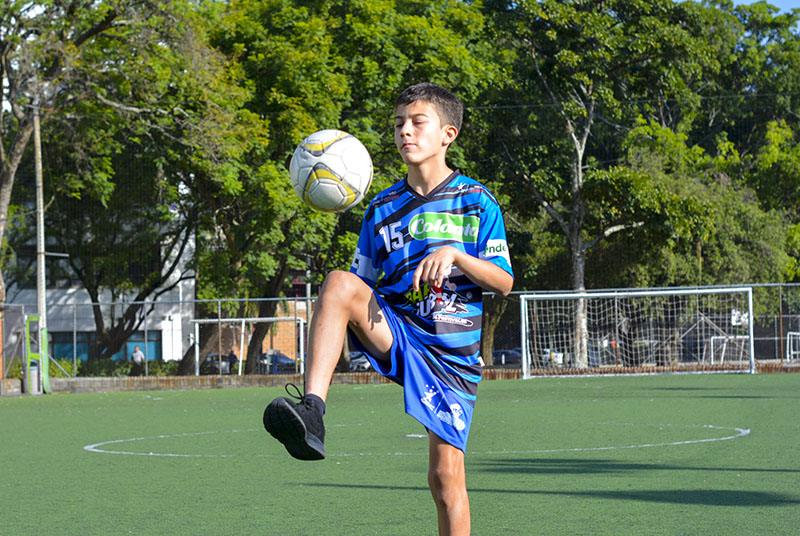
(616, 455)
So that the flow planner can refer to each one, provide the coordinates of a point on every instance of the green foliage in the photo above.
(105, 368)
(793, 250)
(712, 232)
(776, 173)
(162, 368)
(598, 67)
(98, 367)
(64, 363)
(626, 133)
(16, 370)
(308, 67)
(656, 138)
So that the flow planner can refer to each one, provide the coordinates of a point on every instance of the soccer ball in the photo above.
(331, 171)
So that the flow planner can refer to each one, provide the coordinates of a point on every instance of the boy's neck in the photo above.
(425, 177)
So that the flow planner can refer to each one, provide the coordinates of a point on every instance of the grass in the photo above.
(545, 456)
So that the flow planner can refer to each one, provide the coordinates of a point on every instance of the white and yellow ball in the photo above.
(331, 170)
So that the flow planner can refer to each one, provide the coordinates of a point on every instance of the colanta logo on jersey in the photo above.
(444, 227)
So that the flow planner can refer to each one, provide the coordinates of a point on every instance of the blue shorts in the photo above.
(437, 404)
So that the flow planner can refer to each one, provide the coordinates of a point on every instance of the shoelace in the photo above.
(297, 395)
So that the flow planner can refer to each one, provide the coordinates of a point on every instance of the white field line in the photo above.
(98, 447)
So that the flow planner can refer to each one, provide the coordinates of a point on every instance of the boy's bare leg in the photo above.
(447, 480)
(344, 300)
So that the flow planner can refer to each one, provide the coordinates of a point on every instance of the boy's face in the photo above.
(419, 133)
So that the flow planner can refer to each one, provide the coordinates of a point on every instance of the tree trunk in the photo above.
(581, 336)
(8, 172)
(266, 309)
(494, 306)
(579, 358)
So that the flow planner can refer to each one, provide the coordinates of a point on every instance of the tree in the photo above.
(50, 50)
(311, 66)
(593, 68)
(758, 79)
(137, 106)
(724, 235)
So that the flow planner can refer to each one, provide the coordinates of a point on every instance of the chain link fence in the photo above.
(776, 324)
(164, 332)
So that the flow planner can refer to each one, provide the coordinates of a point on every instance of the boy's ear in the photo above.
(449, 134)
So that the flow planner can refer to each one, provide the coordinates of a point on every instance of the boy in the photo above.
(412, 300)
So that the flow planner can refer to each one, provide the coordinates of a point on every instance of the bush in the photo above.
(162, 368)
(66, 364)
(16, 370)
(105, 367)
(108, 367)
(102, 367)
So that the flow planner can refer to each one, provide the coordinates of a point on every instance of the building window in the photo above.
(82, 345)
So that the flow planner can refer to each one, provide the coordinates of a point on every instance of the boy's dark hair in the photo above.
(450, 108)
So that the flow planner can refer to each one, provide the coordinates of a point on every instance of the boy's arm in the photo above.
(433, 269)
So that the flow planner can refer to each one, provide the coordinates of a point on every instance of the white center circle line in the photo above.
(98, 447)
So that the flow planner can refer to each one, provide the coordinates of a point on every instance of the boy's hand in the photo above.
(435, 267)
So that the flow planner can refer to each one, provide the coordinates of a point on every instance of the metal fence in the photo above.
(164, 330)
(776, 322)
(80, 333)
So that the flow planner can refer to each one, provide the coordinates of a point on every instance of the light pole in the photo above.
(41, 301)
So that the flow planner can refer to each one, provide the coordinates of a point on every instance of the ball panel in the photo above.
(327, 192)
(322, 142)
(331, 170)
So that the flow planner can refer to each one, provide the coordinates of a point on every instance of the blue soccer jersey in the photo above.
(399, 229)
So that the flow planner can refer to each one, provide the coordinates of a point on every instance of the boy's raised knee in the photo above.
(337, 278)
(345, 292)
(339, 283)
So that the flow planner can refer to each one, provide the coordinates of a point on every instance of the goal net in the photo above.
(637, 331)
(267, 361)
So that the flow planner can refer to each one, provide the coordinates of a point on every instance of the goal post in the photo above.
(793, 345)
(637, 331)
(242, 322)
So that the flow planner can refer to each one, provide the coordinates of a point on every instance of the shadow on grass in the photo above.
(692, 392)
(689, 395)
(680, 496)
(568, 466)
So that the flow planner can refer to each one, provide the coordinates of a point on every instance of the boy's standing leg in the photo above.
(447, 481)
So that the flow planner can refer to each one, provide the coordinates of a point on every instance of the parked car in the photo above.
(359, 362)
(211, 364)
(509, 356)
(275, 362)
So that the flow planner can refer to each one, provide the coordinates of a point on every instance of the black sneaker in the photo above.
(298, 425)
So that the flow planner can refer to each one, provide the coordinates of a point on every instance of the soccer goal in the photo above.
(242, 323)
(793, 345)
(637, 331)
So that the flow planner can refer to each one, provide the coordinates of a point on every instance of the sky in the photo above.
(783, 5)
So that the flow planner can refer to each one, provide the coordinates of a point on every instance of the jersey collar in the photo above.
(436, 190)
